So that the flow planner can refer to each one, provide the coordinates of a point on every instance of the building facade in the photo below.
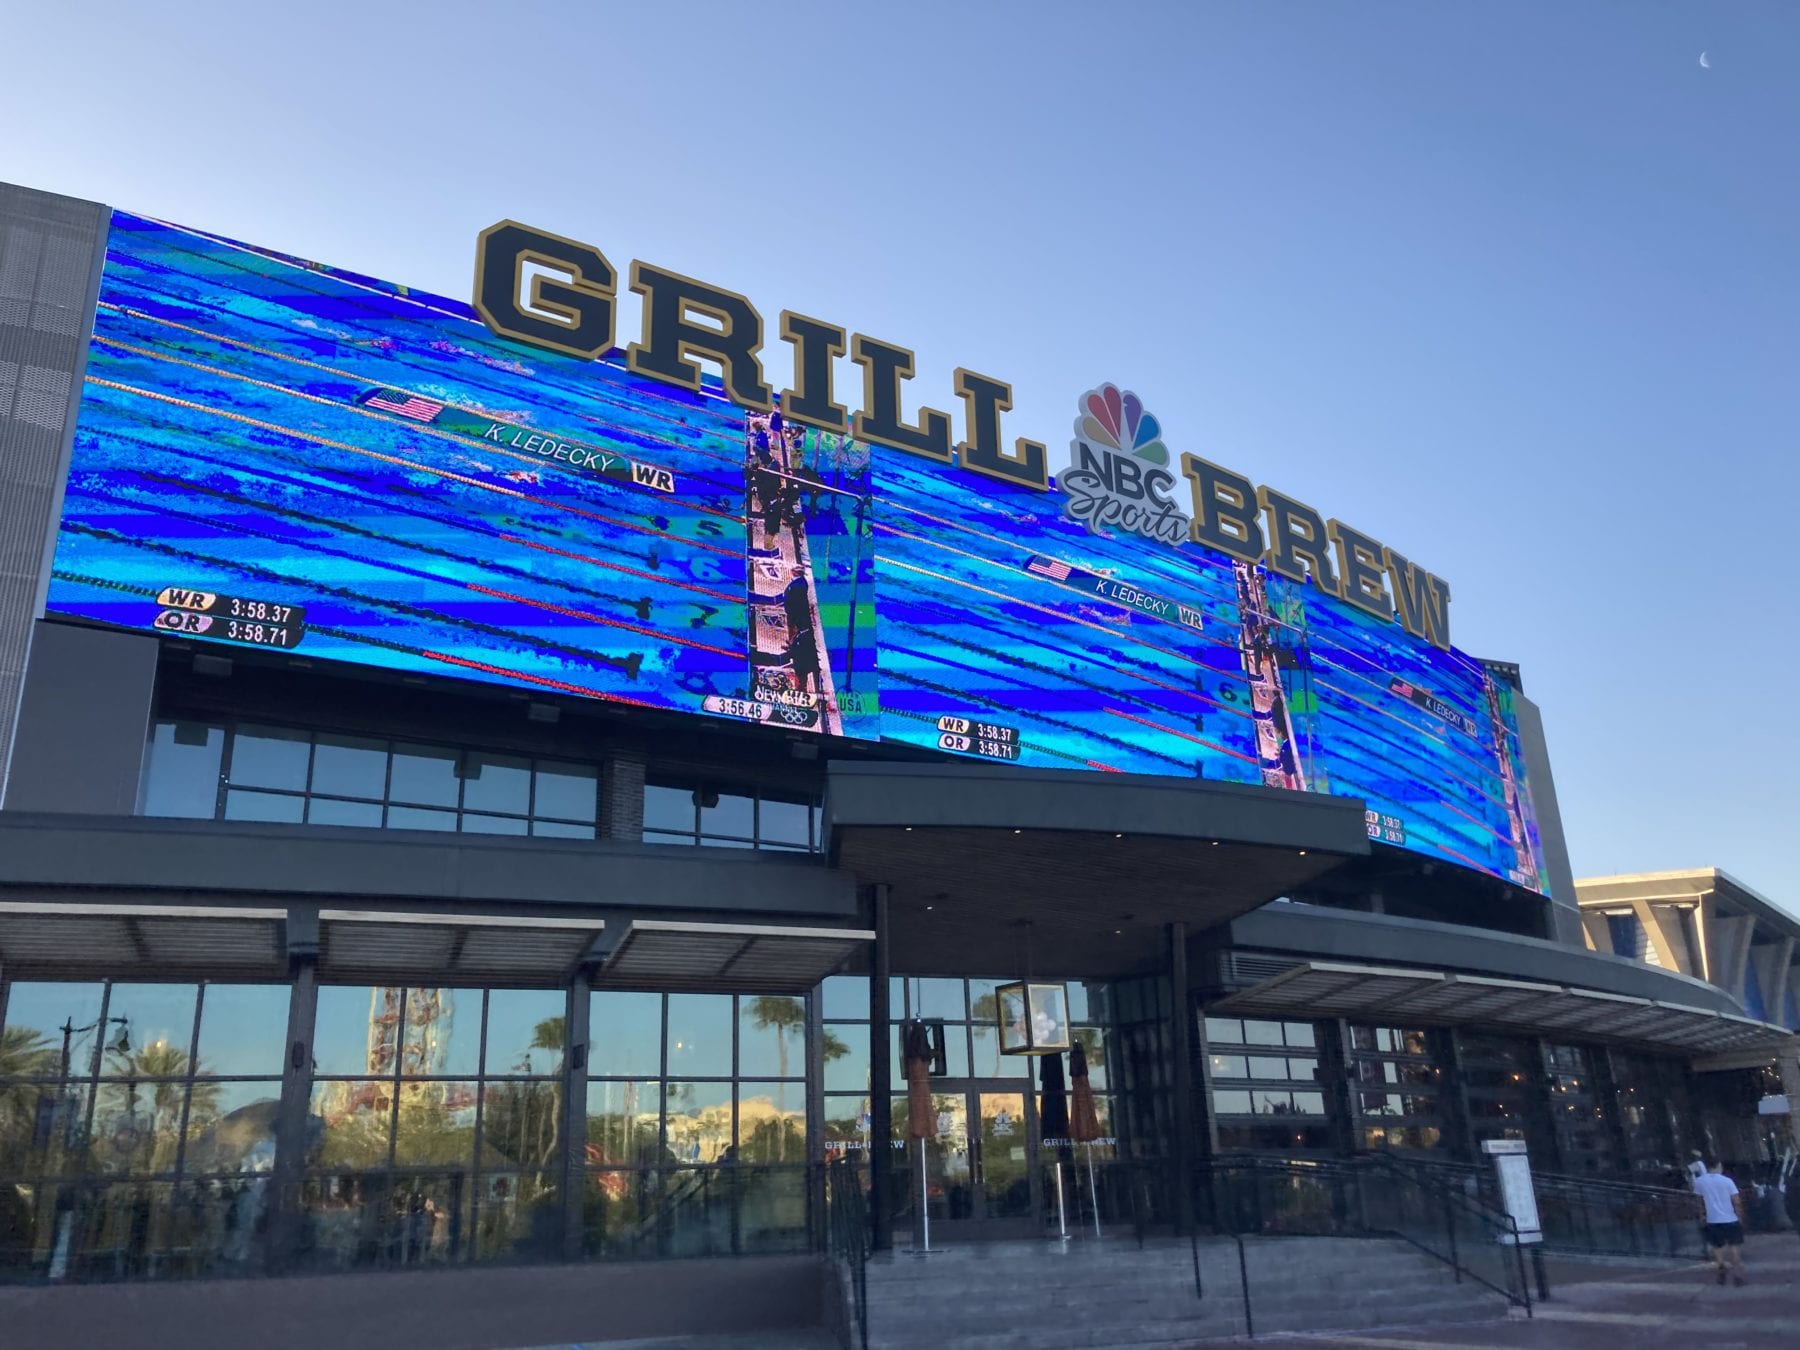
(315, 962)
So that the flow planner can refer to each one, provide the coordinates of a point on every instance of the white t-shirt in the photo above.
(1717, 1190)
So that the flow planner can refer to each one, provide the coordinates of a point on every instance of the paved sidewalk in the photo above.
(1682, 1306)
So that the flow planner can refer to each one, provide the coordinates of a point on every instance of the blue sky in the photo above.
(1511, 287)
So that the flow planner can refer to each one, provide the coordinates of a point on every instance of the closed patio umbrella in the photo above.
(1084, 1119)
(921, 1119)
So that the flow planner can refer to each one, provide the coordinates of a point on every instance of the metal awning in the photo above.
(223, 940)
(1378, 993)
(670, 955)
(451, 948)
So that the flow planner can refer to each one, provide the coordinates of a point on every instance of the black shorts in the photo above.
(1724, 1234)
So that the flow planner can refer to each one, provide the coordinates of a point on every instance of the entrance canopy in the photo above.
(729, 956)
(1386, 994)
(1094, 864)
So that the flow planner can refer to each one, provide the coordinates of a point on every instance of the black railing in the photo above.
(1362, 1197)
(1583, 1215)
(846, 1237)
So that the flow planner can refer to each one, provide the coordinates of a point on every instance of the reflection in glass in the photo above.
(699, 1129)
(771, 1123)
(349, 766)
(417, 818)
(270, 757)
(243, 1028)
(43, 1129)
(499, 783)
(625, 1034)
(526, 1031)
(566, 791)
(474, 824)
(436, 1124)
(520, 1218)
(271, 807)
(847, 997)
(521, 1124)
(785, 823)
(846, 1055)
(669, 808)
(231, 1127)
(37, 1013)
(728, 814)
(561, 829)
(360, 815)
(351, 1123)
(847, 1124)
(771, 1036)
(348, 1035)
(149, 1030)
(938, 998)
(181, 775)
(624, 1122)
(700, 1035)
(424, 775)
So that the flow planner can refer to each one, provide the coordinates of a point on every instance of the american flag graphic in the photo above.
(407, 405)
(1049, 567)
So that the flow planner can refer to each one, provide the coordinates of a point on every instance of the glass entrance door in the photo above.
(981, 1173)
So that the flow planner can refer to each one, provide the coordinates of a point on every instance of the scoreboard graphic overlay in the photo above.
(272, 453)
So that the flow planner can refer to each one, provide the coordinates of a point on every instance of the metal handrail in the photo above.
(846, 1236)
(1498, 1228)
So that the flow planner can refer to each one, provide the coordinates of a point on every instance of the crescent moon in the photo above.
(1704, 63)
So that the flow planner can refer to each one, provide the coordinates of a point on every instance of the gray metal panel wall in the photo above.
(1564, 910)
(84, 721)
(51, 253)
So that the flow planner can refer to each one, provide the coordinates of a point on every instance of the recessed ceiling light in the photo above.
(909, 829)
(1302, 853)
(1118, 836)
(1018, 832)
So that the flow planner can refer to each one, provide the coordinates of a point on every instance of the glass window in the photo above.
(474, 824)
(772, 1036)
(624, 1122)
(567, 791)
(416, 818)
(625, 1034)
(1309, 1103)
(270, 757)
(700, 1035)
(352, 1024)
(989, 1062)
(436, 1125)
(941, 999)
(1304, 1070)
(325, 811)
(785, 823)
(521, 1124)
(424, 775)
(846, 1055)
(231, 1126)
(669, 808)
(725, 813)
(151, 1027)
(527, 1030)
(349, 766)
(699, 1129)
(496, 783)
(771, 1123)
(181, 772)
(1231, 1102)
(264, 806)
(243, 1029)
(561, 829)
(1300, 1035)
(354, 1123)
(46, 1021)
(1261, 1067)
(443, 1031)
(1226, 1029)
(1262, 1033)
(846, 997)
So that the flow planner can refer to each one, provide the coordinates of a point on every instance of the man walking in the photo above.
(1724, 1220)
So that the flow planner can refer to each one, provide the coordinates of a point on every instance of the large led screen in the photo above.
(273, 453)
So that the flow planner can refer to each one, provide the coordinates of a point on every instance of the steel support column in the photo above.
(1181, 1047)
(881, 1073)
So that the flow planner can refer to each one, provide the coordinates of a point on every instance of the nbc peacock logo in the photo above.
(1118, 469)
